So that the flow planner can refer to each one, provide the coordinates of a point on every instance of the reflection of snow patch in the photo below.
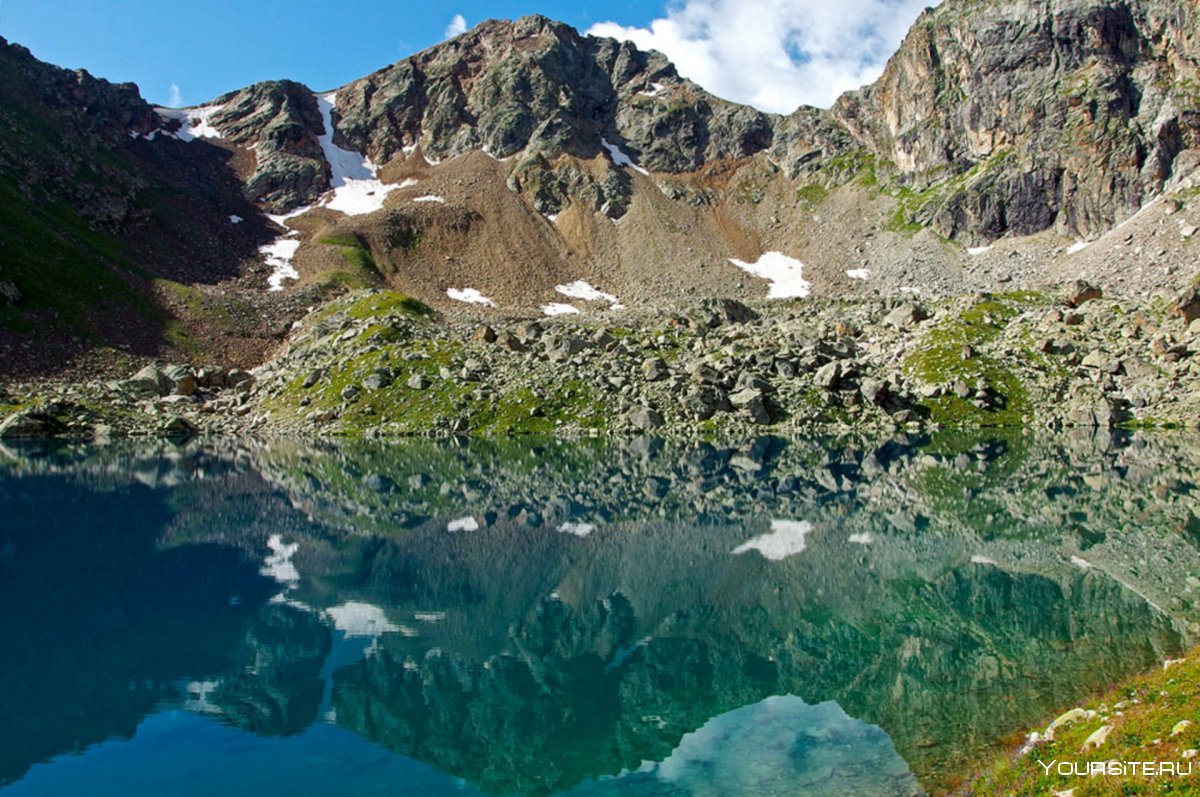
(555, 308)
(279, 257)
(860, 539)
(620, 158)
(578, 529)
(430, 198)
(787, 538)
(1082, 564)
(197, 697)
(978, 559)
(429, 617)
(470, 296)
(353, 178)
(356, 619)
(467, 523)
(278, 564)
(858, 273)
(582, 290)
(235, 219)
(786, 274)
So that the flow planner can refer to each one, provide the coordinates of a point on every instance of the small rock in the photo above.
(314, 376)
(1180, 727)
(1097, 739)
(177, 426)
(9, 293)
(1187, 305)
(418, 382)
(906, 315)
(827, 376)
(1080, 292)
(655, 369)
(484, 334)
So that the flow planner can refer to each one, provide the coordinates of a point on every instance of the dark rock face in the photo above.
(539, 85)
(1067, 112)
(282, 118)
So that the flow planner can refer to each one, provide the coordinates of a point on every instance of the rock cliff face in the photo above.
(1067, 112)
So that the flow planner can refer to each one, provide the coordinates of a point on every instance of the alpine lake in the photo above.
(850, 616)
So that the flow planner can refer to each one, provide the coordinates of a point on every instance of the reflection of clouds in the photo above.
(578, 529)
(468, 523)
(784, 746)
(787, 538)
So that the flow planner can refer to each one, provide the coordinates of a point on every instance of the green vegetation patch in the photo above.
(951, 352)
(1144, 716)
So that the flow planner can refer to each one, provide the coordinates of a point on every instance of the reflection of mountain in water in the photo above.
(589, 613)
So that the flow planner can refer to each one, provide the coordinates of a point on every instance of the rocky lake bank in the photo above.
(383, 364)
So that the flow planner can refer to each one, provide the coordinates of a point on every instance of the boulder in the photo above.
(705, 401)
(646, 418)
(750, 402)
(29, 424)
(655, 369)
(1187, 305)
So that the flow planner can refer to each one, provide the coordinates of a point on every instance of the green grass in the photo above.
(812, 195)
(1142, 712)
(939, 360)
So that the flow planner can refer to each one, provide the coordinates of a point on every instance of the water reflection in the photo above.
(791, 617)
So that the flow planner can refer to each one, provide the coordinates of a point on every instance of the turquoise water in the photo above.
(530, 617)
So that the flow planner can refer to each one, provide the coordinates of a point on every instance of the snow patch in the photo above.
(654, 90)
(279, 255)
(468, 523)
(858, 273)
(430, 198)
(582, 290)
(787, 538)
(282, 219)
(357, 620)
(357, 189)
(235, 219)
(554, 308)
(786, 275)
(194, 123)
(407, 182)
(976, 251)
(860, 539)
(470, 296)
(620, 158)
(1082, 564)
(1077, 247)
(577, 529)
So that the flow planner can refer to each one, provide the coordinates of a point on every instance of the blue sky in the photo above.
(774, 54)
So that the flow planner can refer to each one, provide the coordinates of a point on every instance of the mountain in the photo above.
(522, 156)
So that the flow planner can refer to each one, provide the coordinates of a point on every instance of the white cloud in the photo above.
(176, 98)
(457, 26)
(777, 54)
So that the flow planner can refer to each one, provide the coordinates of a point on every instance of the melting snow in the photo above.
(467, 523)
(235, 219)
(620, 158)
(279, 257)
(1078, 246)
(582, 290)
(354, 179)
(278, 564)
(470, 296)
(193, 122)
(360, 620)
(578, 529)
(554, 308)
(430, 198)
(858, 273)
(786, 275)
(787, 538)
